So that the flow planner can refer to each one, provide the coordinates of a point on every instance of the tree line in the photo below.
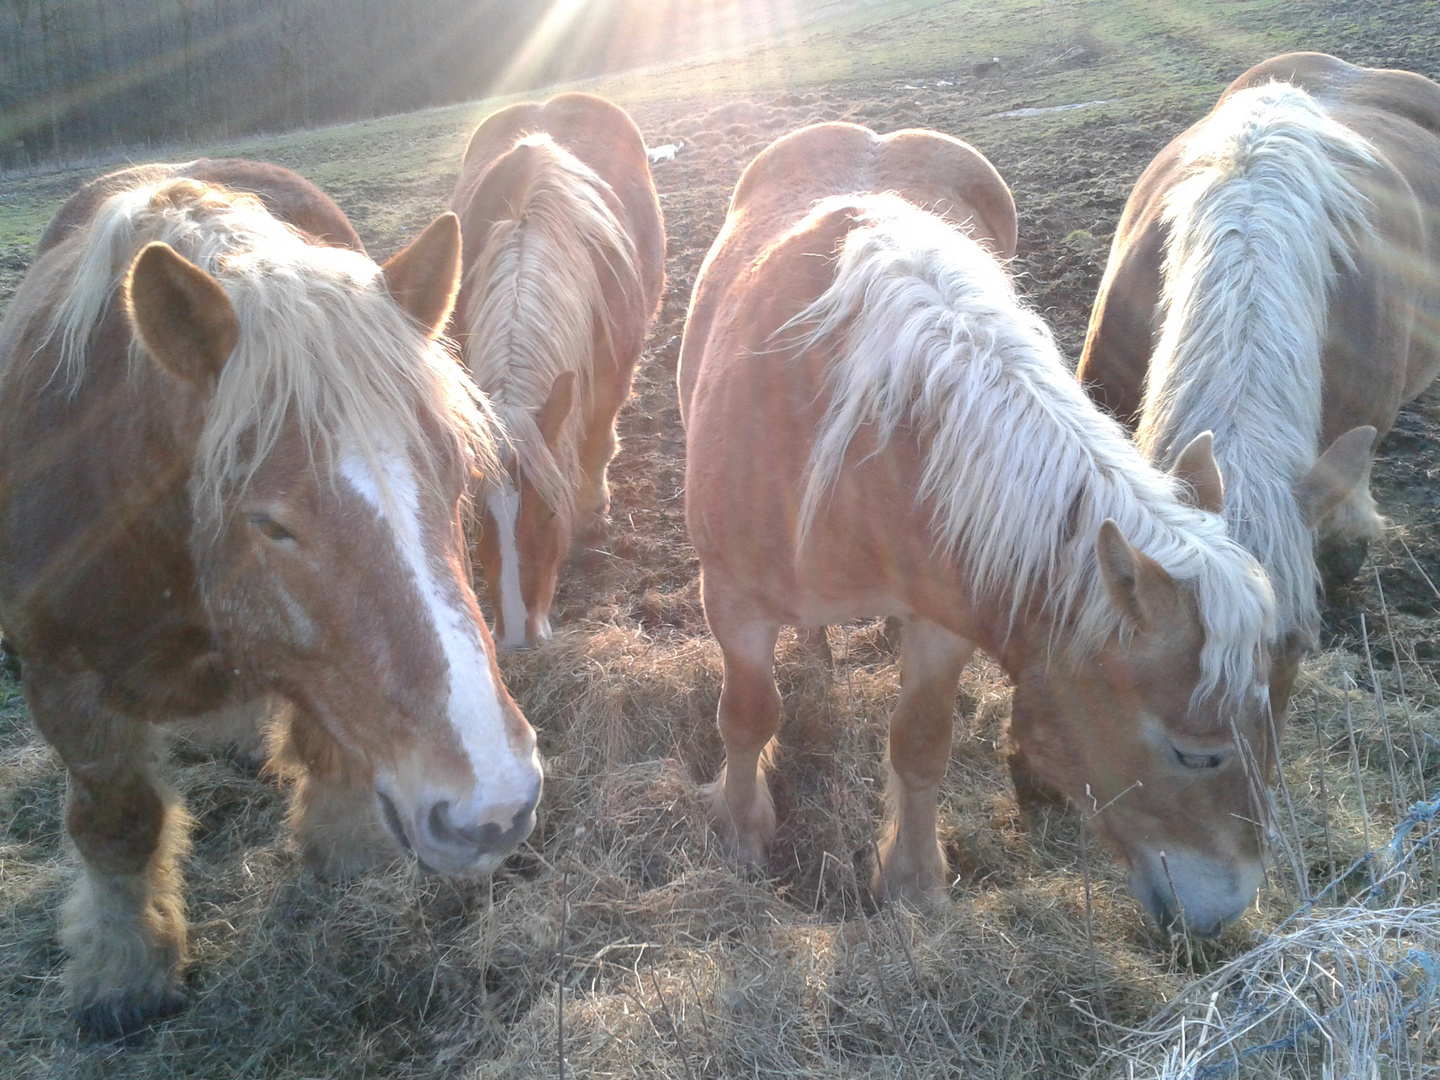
(78, 76)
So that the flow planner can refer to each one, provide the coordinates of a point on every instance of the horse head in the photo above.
(1168, 765)
(525, 531)
(332, 466)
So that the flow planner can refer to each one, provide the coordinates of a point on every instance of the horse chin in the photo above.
(484, 866)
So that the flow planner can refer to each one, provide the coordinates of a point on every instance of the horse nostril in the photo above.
(392, 819)
(439, 821)
(488, 838)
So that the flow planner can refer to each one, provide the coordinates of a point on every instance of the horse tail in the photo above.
(536, 304)
(1269, 212)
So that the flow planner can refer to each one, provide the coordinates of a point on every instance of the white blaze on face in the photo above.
(503, 502)
(474, 707)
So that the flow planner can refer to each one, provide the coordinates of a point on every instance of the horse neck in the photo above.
(537, 307)
(1020, 467)
(1256, 233)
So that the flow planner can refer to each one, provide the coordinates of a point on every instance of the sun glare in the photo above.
(576, 38)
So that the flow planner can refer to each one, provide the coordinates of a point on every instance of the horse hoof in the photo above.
(124, 1018)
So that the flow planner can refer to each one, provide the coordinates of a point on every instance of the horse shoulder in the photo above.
(1399, 114)
(287, 195)
(754, 401)
(606, 138)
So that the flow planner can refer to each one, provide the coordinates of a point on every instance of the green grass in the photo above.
(1144, 53)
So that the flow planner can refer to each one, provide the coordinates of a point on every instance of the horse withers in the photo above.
(1275, 278)
(564, 265)
(876, 426)
(233, 462)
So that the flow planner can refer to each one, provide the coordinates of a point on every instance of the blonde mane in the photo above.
(1267, 215)
(537, 307)
(923, 329)
(322, 342)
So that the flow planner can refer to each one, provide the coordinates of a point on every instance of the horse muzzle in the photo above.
(457, 842)
(1199, 893)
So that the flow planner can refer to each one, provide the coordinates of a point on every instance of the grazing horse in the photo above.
(564, 263)
(875, 426)
(1275, 279)
(232, 465)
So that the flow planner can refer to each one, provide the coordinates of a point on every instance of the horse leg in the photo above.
(237, 731)
(332, 811)
(124, 922)
(592, 506)
(814, 642)
(739, 800)
(912, 866)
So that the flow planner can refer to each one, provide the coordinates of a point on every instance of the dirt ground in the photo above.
(674, 964)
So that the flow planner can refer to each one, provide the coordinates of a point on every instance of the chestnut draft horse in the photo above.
(232, 464)
(876, 426)
(564, 264)
(1275, 278)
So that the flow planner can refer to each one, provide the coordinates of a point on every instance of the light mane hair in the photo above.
(537, 308)
(1268, 214)
(923, 330)
(322, 344)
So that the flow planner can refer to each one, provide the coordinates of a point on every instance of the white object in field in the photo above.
(657, 154)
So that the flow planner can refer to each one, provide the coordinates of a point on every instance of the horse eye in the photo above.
(270, 528)
(1200, 761)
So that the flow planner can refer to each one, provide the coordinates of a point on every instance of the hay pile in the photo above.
(620, 923)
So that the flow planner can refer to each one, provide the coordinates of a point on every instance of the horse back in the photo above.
(933, 171)
(288, 196)
(1372, 362)
(600, 134)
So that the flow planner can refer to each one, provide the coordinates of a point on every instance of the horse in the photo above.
(564, 265)
(876, 426)
(233, 465)
(1275, 278)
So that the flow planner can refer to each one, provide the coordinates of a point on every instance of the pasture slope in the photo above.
(671, 963)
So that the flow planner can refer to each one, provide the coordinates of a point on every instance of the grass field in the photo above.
(672, 963)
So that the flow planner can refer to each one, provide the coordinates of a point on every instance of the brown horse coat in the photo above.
(232, 463)
(1275, 277)
(564, 261)
(875, 426)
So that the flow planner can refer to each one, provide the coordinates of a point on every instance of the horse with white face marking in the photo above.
(1275, 278)
(232, 466)
(875, 426)
(564, 264)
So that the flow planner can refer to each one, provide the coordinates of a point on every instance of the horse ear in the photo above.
(1335, 475)
(1196, 466)
(425, 277)
(551, 419)
(1134, 580)
(180, 314)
